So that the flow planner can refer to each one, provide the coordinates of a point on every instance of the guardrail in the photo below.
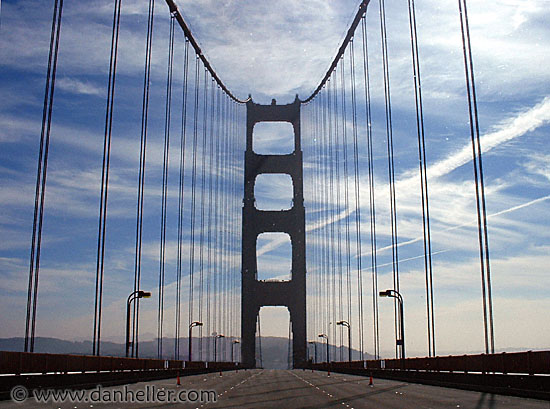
(530, 362)
(18, 363)
(519, 373)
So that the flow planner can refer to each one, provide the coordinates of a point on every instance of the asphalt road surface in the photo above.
(284, 389)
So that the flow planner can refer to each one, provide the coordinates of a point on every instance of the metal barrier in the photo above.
(530, 362)
(38, 363)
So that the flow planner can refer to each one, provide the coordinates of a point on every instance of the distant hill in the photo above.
(274, 350)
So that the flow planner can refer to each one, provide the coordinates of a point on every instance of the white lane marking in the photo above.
(240, 383)
(316, 387)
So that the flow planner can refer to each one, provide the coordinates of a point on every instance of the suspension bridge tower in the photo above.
(256, 293)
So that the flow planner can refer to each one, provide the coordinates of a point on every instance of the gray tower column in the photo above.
(256, 294)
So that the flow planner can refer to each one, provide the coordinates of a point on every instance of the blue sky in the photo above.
(277, 50)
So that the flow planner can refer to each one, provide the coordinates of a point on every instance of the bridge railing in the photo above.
(41, 363)
(530, 362)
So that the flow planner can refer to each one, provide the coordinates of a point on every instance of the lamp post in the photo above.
(235, 341)
(132, 297)
(315, 351)
(326, 338)
(346, 324)
(216, 346)
(399, 341)
(193, 324)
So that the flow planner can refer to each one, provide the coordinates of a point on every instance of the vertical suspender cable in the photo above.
(164, 193)
(357, 200)
(326, 238)
(316, 254)
(210, 271)
(230, 221)
(202, 200)
(141, 178)
(40, 193)
(193, 194)
(181, 201)
(223, 259)
(102, 223)
(235, 223)
(479, 183)
(423, 179)
(331, 248)
(346, 186)
(338, 211)
(231, 263)
(320, 231)
(372, 207)
(217, 261)
(226, 231)
(391, 170)
(318, 268)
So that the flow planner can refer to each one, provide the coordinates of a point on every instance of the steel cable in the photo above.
(479, 182)
(423, 179)
(391, 166)
(193, 193)
(164, 192)
(357, 200)
(181, 201)
(40, 193)
(141, 177)
(372, 204)
(104, 190)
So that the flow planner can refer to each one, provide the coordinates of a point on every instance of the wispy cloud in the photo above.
(514, 127)
(76, 86)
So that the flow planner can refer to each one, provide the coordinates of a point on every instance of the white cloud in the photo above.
(277, 50)
(76, 86)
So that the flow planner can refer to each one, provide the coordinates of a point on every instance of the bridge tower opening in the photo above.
(273, 338)
(257, 293)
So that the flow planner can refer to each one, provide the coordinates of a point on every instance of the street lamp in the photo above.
(193, 324)
(401, 341)
(132, 297)
(346, 324)
(326, 338)
(216, 346)
(315, 351)
(235, 341)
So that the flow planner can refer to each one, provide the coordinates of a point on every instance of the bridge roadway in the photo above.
(286, 389)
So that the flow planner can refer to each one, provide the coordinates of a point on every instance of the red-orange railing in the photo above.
(530, 362)
(30, 362)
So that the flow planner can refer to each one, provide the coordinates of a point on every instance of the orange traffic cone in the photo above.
(220, 373)
(178, 380)
(329, 373)
(371, 383)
